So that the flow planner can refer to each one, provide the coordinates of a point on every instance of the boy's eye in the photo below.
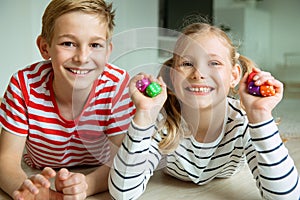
(68, 44)
(97, 45)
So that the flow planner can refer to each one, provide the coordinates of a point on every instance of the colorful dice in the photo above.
(263, 90)
(150, 89)
(142, 84)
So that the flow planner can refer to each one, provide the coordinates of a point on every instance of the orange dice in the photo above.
(263, 90)
(267, 90)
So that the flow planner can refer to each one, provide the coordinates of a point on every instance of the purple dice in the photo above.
(253, 89)
(142, 84)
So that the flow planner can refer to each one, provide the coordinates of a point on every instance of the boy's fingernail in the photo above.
(64, 175)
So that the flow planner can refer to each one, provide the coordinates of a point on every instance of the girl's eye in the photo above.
(68, 44)
(186, 64)
(214, 63)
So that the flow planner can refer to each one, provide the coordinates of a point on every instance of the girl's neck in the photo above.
(206, 124)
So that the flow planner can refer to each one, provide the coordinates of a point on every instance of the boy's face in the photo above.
(79, 50)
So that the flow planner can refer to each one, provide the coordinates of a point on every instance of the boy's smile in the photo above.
(79, 50)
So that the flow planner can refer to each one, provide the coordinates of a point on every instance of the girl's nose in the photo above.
(197, 75)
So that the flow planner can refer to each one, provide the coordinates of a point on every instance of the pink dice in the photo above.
(142, 84)
(146, 87)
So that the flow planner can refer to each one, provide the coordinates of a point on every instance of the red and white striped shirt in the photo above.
(29, 109)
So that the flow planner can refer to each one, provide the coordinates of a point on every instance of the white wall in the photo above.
(284, 26)
(20, 22)
(20, 25)
(136, 36)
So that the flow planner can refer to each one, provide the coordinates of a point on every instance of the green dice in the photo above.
(153, 89)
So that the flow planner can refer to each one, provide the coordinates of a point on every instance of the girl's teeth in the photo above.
(205, 89)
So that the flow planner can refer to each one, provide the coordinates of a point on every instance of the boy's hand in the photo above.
(259, 108)
(71, 185)
(37, 187)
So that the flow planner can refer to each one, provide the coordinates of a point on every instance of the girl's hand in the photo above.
(71, 185)
(37, 187)
(147, 108)
(258, 108)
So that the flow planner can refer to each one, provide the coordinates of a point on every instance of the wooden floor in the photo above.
(163, 187)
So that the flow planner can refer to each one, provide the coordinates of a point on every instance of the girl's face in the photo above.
(204, 73)
(79, 50)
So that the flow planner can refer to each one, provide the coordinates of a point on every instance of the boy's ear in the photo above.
(43, 47)
(235, 75)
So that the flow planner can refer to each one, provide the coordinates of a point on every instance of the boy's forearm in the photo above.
(98, 180)
(11, 176)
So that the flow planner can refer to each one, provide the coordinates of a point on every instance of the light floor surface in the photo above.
(239, 187)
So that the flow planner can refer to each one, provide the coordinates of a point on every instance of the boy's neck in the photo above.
(70, 103)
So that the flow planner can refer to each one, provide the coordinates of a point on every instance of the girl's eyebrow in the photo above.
(215, 56)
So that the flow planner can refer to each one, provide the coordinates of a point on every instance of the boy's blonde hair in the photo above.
(175, 125)
(56, 8)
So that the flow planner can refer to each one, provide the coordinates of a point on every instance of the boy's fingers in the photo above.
(76, 189)
(48, 172)
(63, 174)
(74, 179)
(28, 185)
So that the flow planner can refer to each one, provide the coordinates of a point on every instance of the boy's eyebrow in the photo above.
(74, 37)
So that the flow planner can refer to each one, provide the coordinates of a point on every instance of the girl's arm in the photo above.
(134, 163)
(272, 167)
(270, 163)
(138, 155)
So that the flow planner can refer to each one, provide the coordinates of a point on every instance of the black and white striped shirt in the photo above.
(259, 144)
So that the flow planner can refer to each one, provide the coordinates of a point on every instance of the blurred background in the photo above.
(265, 30)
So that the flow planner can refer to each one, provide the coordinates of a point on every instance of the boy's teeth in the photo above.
(79, 71)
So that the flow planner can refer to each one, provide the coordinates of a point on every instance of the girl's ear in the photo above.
(43, 47)
(235, 75)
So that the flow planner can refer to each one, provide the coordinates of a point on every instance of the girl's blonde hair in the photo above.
(175, 124)
(56, 8)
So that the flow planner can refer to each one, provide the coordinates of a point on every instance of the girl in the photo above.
(201, 132)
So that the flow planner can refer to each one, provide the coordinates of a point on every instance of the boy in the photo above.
(70, 110)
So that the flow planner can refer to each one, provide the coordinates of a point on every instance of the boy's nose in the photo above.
(82, 55)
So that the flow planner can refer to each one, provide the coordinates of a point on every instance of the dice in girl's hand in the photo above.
(262, 90)
(148, 88)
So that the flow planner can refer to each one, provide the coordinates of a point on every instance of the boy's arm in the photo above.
(11, 151)
(98, 180)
